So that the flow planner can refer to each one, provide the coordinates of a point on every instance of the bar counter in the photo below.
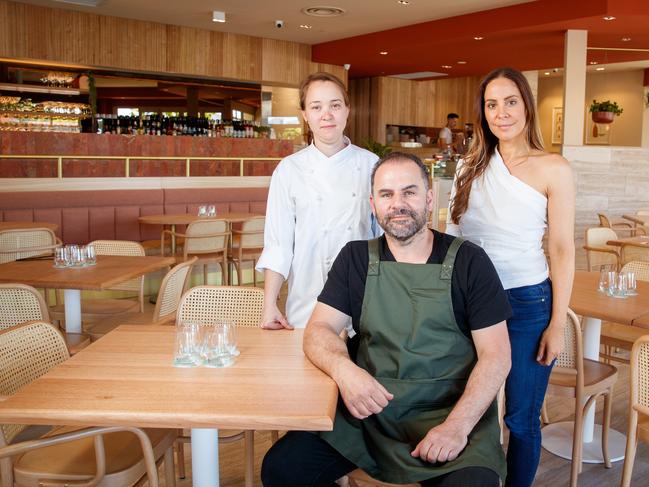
(136, 155)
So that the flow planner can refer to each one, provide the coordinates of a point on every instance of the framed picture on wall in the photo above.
(597, 133)
(557, 125)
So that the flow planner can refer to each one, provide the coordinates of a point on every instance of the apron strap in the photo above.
(447, 266)
(373, 262)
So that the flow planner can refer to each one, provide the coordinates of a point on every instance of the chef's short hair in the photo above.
(452, 115)
(403, 156)
(321, 76)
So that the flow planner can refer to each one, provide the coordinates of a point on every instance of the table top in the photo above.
(126, 378)
(639, 241)
(14, 225)
(642, 321)
(186, 218)
(586, 300)
(109, 270)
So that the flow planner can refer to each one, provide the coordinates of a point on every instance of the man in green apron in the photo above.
(418, 381)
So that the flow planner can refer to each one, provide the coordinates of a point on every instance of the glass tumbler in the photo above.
(218, 345)
(202, 210)
(60, 257)
(631, 285)
(211, 211)
(187, 347)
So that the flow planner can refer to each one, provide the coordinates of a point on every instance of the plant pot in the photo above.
(603, 117)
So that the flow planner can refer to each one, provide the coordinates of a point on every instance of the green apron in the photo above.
(410, 342)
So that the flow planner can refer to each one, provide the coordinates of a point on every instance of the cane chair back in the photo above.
(20, 303)
(632, 253)
(21, 243)
(122, 247)
(208, 305)
(639, 268)
(206, 237)
(599, 255)
(171, 290)
(247, 245)
(582, 380)
(623, 226)
(27, 352)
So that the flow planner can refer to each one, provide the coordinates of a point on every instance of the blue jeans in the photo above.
(527, 381)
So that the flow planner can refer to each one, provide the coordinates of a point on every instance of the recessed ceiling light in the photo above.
(306, 26)
(446, 66)
(383, 53)
(593, 62)
(322, 11)
(609, 17)
(461, 62)
(601, 68)
(403, 2)
(218, 16)
(626, 39)
(478, 38)
(547, 73)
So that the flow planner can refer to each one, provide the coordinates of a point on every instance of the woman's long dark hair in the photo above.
(485, 142)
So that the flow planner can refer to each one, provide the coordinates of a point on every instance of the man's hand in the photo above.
(442, 443)
(551, 345)
(273, 319)
(362, 394)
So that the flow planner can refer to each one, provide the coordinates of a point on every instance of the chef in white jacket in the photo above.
(317, 202)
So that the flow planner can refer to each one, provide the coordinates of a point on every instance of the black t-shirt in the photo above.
(478, 297)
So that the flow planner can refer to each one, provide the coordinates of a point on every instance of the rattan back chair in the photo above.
(20, 303)
(104, 457)
(583, 380)
(23, 243)
(247, 245)
(207, 305)
(206, 239)
(172, 288)
(638, 429)
(616, 335)
(599, 255)
(623, 227)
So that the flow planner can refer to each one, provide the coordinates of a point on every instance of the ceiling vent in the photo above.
(322, 11)
(83, 3)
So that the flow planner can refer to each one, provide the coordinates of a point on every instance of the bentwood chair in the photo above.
(618, 226)
(172, 288)
(584, 381)
(101, 457)
(638, 429)
(22, 243)
(208, 305)
(615, 335)
(599, 255)
(100, 308)
(205, 239)
(247, 245)
(20, 303)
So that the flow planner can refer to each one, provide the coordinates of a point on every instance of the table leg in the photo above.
(205, 457)
(557, 437)
(173, 239)
(72, 304)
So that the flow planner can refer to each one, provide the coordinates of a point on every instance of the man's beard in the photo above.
(404, 229)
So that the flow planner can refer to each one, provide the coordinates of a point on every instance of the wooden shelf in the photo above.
(40, 114)
(22, 88)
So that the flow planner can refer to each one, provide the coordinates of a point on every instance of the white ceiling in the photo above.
(257, 17)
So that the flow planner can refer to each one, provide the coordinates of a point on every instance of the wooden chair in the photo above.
(102, 457)
(247, 245)
(205, 239)
(583, 380)
(100, 308)
(618, 226)
(172, 288)
(599, 255)
(208, 305)
(22, 243)
(615, 335)
(20, 303)
(638, 429)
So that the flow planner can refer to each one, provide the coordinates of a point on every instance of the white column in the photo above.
(574, 86)
(645, 118)
(72, 304)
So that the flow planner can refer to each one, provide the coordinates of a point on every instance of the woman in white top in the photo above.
(317, 202)
(506, 193)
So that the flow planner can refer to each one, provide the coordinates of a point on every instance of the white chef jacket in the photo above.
(316, 204)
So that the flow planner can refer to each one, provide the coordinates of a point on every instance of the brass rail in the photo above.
(128, 159)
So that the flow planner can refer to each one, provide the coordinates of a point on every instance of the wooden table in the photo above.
(17, 225)
(595, 306)
(109, 270)
(642, 322)
(127, 379)
(173, 219)
(640, 241)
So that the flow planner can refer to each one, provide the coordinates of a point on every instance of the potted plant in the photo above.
(605, 111)
(376, 147)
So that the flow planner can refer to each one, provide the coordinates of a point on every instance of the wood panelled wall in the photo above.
(66, 36)
(378, 102)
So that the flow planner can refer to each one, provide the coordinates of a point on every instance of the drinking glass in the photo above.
(60, 257)
(75, 255)
(211, 211)
(631, 284)
(621, 287)
(187, 346)
(202, 210)
(603, 281)
(91, 255)
(218, 345)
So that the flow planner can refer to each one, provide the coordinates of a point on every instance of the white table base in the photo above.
(72, 304)
(205, 457)
(557, 439)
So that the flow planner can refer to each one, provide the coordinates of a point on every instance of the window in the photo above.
(128, 112)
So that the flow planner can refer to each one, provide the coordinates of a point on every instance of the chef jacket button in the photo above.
(354, 195)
